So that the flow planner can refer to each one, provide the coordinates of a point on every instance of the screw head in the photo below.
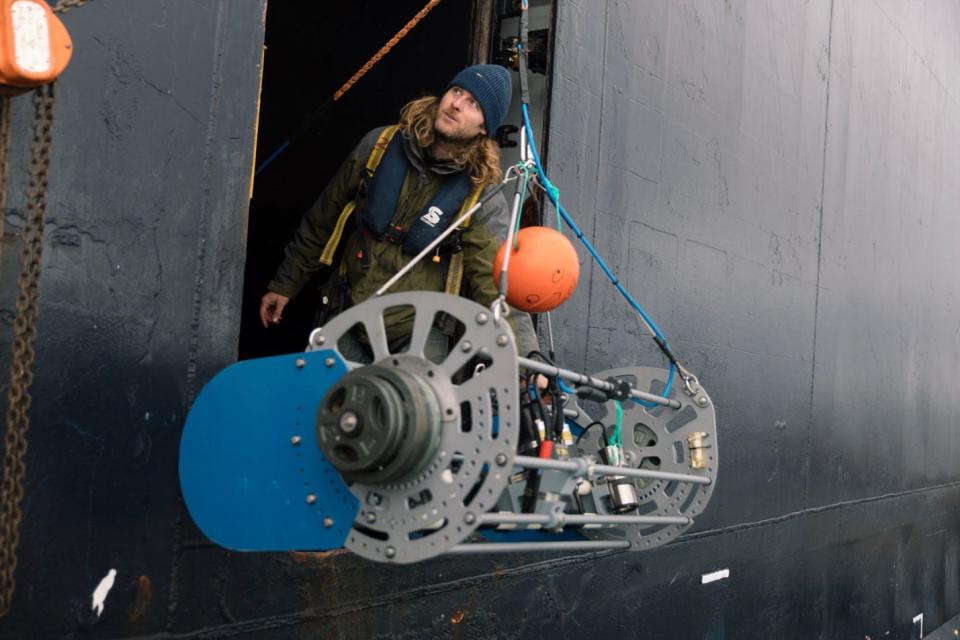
(501, 459)
(318, 339)
(301, 363)
(296, 440)
(466, 346)
(329, 362)
(371, 517)
(470, 518)
(502, 340)
(348, 422)
(702, 401)
(390, 552)
(328, 522)
(482, 318)
(311, 498)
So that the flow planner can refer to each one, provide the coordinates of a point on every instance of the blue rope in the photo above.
(553, 194)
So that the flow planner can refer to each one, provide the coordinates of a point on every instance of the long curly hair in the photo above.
(481, 156)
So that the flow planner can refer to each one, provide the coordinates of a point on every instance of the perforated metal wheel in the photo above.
(424, 514)
(659, 439)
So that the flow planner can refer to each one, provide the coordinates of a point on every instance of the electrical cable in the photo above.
(603, 428)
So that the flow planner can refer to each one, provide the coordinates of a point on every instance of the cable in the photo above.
(554, 195)
(606, 440)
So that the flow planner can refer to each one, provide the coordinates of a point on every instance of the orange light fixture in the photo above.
(35, 46)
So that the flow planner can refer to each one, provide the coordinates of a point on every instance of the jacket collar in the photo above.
(418, 158)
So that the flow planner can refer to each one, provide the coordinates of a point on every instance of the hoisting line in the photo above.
(362, 71)
(690, 382)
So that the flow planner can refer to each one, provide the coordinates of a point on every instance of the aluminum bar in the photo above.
(580, 467)
(561, 519)
(585, 380)
(518, 547)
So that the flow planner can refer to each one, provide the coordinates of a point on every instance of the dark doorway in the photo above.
(312, 49)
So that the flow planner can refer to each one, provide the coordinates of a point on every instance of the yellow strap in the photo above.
(330, 249)
(455, 272)
(376, 154)
(373, 161)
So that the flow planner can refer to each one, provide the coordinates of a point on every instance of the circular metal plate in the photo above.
(430, 513)
(656, 438)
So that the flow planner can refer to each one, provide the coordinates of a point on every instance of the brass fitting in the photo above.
(698, 450)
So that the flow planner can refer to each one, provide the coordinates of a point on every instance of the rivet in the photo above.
(702, 401)
(466, 346)
(502, 340)
(390, 552)
(371, 517)
(329, 362)
(311, 498)
(295, 440)
(482, 318)
(328, 522)
(469, 518)
(301, 363)
(319, 339)
(501, 459)
(348, 422)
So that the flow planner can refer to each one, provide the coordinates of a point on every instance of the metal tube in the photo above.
(562, 519)
(517, 547)
(579, 467)
(596, 383)
(571, 413)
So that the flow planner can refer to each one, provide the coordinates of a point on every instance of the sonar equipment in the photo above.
(400, 457)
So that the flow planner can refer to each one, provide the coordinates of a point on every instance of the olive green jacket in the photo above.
(480, 240)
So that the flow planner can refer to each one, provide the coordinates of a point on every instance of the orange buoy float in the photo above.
(542, 272)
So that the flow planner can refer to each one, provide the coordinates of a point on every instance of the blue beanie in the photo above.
(491, 87)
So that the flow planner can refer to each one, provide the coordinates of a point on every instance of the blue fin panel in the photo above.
(245, 483)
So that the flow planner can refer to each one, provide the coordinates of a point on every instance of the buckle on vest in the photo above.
(395, 234)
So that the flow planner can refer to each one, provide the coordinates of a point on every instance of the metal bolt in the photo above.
(482, 318)
(390, 552)
(301, 363)
(348, 422)
(466, 346)
(328, 522)
(319, 339)
(329, 362)
(502, 340)
(470, 518)
(501, 459)
(371, 517)
(295, 440)
(702, 401)
(311, 498)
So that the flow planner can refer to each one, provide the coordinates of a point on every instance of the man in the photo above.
(439, 160)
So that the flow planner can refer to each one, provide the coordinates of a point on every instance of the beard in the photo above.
(459, 140)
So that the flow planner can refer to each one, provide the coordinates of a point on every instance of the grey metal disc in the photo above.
(427, 515)
(659, 436)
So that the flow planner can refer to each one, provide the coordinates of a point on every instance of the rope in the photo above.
(307, 124)
(383, 50)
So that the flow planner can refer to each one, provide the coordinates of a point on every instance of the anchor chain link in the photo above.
(24, 333)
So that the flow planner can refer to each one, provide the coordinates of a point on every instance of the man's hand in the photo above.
(271, 308)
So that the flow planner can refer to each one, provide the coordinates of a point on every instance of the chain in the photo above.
(63, 6)
(4, 144)
(24, 332)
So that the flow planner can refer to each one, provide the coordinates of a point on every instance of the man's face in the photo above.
(459, 118)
